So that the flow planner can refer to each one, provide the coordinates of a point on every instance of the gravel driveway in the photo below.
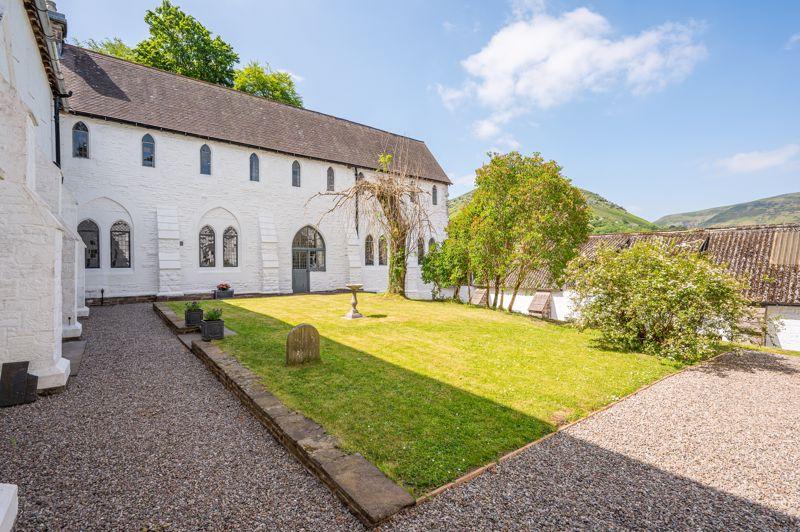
(715, 447)
(146, 437)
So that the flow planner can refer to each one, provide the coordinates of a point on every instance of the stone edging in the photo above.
(368, 493)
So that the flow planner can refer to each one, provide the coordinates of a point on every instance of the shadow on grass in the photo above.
(377, 316)
(420, 431)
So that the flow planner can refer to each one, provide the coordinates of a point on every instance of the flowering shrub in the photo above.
(663, 300)
(224, 286)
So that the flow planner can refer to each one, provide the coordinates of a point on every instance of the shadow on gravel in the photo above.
(566, 483)
(749, 362)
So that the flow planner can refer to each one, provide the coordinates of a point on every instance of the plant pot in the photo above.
(193, 317)
(212, 330)
(223, 294)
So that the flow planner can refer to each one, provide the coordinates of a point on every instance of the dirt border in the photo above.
(369, 494)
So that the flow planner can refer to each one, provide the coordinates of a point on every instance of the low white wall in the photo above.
(787, 334)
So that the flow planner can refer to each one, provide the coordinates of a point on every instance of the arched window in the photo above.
(431, 244)
(253, 167)
(205, 159)
(295, 174)
(331, 182)
(420, 250)
(148, 151)
(207, 245)
(369, 251)
(435, 195)
(360, 176)
(80, 140)
(230, 248)
(383, 251)
(90, 234)
(120, 245)
(308, 250)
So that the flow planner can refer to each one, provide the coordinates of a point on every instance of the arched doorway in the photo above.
(308, 254)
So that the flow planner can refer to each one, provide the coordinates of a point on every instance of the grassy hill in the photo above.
(777, 209)
(607, 217)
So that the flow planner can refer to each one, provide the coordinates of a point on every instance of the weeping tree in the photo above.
(391, 202)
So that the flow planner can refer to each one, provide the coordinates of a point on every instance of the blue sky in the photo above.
(661, 107)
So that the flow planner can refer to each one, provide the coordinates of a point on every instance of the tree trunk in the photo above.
(488, 291)
(520, 277)
(502, 294)
(397, 266)
(496, 291)
(457, 293)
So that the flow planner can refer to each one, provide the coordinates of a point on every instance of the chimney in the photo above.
(59, 24)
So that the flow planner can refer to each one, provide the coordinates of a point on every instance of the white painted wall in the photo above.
(112, 185)
(31, 233)
(787, 334)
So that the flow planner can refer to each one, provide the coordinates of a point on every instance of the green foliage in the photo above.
(192, 306)
(448, 264)
(262, 81)
(664, 300)
(605, 216)
(180, 43)
(113, 46)
(213, 314)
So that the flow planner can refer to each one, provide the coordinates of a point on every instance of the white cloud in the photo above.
(466, 179)
(451, 98)
(753, 161)
(490, 127)
(540, 61)
(448, 26)
(793, 41)
(527, 8)
(297, 78)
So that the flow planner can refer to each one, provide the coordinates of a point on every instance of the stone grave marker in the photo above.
(302, 345)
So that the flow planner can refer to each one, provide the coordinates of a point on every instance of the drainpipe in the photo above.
(57, 125)
(355, 174)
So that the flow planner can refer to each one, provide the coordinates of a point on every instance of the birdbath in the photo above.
(353, 313)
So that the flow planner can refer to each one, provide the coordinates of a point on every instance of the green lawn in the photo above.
(428, 391)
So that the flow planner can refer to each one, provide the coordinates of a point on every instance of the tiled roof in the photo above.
(768, 256)
(112, 88)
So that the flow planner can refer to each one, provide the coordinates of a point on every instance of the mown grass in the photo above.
(428, 391)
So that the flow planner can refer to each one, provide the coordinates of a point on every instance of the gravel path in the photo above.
(145, 437)
(715, 447)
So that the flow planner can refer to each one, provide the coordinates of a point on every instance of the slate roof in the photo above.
(108, 87)
(768, 256)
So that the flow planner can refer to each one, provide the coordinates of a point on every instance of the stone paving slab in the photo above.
(73, 351)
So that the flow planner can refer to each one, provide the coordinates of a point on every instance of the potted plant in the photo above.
(223, 291)
(212, 327)
(193, 314)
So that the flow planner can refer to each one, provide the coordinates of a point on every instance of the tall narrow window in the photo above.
(253, 167)
(148, 151)
(369, 251)
(90, 234)
(435, 195)
(80, 140)
(207, 244)
(120, 245)
(331, 178)
(230, 248)
(420, 250)
(431, 244)
(383, 251)
(295, 174)
(205, 159)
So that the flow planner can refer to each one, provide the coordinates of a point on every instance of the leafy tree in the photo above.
(181, 44)
(113, 46)
(664, 300)
(448, 264)
(263, 81)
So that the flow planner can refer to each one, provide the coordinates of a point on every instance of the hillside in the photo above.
(607, 217)
(777, 209)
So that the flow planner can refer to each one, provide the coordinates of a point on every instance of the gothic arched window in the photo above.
(205, 159)
(369, 251)
(120, 245)
(331, 182)
(148, 151)
(90, 234)
(383, 251)
(230, 248)
(80, 140)
(207, 247)
(254, 167)
(295, 174)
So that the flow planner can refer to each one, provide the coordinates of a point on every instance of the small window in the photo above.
(205, 159)
(331, 180)
(253, 167)
(435, 195)
(295, 174)
(230, 248)
(148, 151)
(207, 244)
(369, 251)
(420, 250)
(120, 245)
(90, 234)
(80, 140)
(383, 251)
(359, 176)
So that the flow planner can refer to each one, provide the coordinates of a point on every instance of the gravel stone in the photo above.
(714, 447)
(145, 437)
